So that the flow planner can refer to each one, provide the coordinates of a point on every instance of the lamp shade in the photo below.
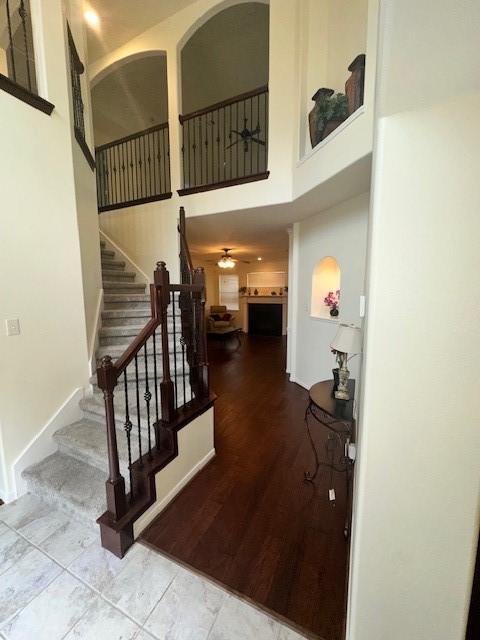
(347, 340)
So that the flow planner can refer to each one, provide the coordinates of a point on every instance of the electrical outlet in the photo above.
(12, 326)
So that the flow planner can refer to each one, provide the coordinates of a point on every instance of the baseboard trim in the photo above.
(125, 257)
(300, 383)
(94, 337)
(141, 524)
(43, 445)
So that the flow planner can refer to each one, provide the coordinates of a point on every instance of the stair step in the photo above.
(93, 407)
(69, 484)
(123, 287)
(113, 264)
(119, 301)
(102, 244)
(116, 274)
(135, 316)
(107, 253)
(86, 441)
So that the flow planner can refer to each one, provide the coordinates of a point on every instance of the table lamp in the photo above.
(348, 340)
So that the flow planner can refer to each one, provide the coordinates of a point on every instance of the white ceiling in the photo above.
(122, 20)
(263, 231)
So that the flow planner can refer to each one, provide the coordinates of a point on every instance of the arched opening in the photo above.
(326, 279)
(130, 122)
(224, 86)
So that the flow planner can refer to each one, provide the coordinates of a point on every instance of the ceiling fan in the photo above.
(246, 136)
(226, 261)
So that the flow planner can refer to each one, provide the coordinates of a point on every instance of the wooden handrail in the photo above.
(224, 103)
(132, 136)
(134, 348)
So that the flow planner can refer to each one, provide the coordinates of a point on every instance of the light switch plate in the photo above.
(12, 326)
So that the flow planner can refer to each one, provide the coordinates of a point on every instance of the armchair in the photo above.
(216, 321)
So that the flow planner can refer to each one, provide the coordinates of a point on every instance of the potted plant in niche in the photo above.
(331, 300)
(330, 110)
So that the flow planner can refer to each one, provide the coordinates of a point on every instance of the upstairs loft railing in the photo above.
(134, 170)
(17, 57)
(76, 70)
(157, 386)
(226, 144)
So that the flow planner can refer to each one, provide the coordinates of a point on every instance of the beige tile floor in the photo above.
(56, 582)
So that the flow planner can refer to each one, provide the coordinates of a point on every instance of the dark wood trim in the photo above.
(124, 360)
(24, 95)
(133, 203)
(76, 58)
(224, 103)
(226, 183)
(132, 136)
(198, 288)
(117, 535)
(85, 148)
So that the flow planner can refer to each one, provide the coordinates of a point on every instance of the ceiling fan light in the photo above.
(226, 263)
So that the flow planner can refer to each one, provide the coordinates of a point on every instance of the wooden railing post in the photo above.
(115, 485)
(203, 375)
(162, 284)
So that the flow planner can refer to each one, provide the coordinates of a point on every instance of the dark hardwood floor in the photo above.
(248, 520)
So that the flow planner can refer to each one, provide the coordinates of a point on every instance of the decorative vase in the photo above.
(335, 381)
(255, 293)
(334, 312)
(354, 86)
(316, 124)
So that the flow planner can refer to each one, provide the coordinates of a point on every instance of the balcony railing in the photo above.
(134, 169)
(17, 57)
(226, 144)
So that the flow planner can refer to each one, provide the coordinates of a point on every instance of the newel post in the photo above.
(204, 383)
(115, 485)
(162, 299)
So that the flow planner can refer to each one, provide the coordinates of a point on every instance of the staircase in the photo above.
(73, 478)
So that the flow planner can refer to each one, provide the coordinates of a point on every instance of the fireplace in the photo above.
(265, 319)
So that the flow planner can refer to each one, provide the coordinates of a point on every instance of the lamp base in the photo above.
(342, 392)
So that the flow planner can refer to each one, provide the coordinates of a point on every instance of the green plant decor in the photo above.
(333, 107)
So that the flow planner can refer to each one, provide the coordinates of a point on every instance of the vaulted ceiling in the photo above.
(122, 20)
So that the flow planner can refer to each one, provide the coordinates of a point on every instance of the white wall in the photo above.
(40, 253)
(227, 56)
(340, 232)
(418, 475)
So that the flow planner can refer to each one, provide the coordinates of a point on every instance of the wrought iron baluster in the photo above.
(182, 342)
(155, 373)
(167, 160)
(139, 424)
(174, 349)
(128, 430)
(147, 397)
(258, 127)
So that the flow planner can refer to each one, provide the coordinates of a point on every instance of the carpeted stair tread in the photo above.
(86, 440)
(69, 484)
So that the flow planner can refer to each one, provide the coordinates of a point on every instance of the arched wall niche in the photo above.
(326, 278)
(129, 96)
(224, 54)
